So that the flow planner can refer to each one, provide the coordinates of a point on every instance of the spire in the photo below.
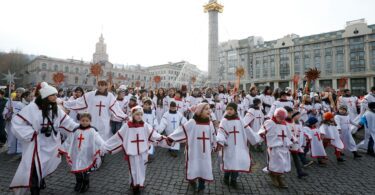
(100, 54)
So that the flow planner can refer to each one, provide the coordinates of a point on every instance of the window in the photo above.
(56, 68)
(76, 80)
(257, 67)
(358, 86)
(265, 66)
(232, 58)
(272, 66)
(77, 70)
(357, 54)
(44, 67)
(284, 64)
(372, 55)
(325, 83)
(66, 69)
(297, 63)
(306, 61)
(340, 68)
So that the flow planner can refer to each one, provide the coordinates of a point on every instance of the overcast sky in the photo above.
(151, 32)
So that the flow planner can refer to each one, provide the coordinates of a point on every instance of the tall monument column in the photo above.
(213, 8)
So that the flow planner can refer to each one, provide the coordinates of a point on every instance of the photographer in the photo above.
(39, 126)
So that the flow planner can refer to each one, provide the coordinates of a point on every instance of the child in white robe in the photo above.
(219, 107)
(149, 117)
(278, 139)
(316, 142)
(298, 138)
(133, 138)
(82, 151)
(120, 99)
(171, 121)
(200, 138)
(232, 137)
(331, 136)
(368, 120)
(343, 121)
(255, 118)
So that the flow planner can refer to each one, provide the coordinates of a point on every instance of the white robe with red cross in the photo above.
(331, 133)
(234, 135)
(123, 105)
(133, 139)
(101, 108)
(299, 140)
(82, 149)
(278, 139)
(38, 149)
(316, 142)
(219, 110)
(343, 126)
(254, 118)
(352, 103)
(200, 140)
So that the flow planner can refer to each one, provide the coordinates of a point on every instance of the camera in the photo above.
(47, 131)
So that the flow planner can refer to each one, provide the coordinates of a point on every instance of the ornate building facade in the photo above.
(347, 53)
(77, 72)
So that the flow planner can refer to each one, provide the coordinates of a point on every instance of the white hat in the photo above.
(123, 87)
(137, 109)
(46, 90)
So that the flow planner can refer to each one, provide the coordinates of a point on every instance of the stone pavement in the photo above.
(165, 175)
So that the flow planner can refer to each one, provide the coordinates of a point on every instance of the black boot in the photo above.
(201, 185)
(79, 182)
(85, 183)
(35, 191)
(356, 155)
(226, 178)
(233, 183)
(340, 160)
(43, 184)
(302, 174)
(136, 190)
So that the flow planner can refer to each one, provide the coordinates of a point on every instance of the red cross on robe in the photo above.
(282, 135)
(317, 135)
(203, 138)
(137, 141)
(100, 105)
(80, 139)
(234, 134)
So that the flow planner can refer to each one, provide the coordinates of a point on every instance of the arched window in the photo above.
(44, 66)
(56, 67)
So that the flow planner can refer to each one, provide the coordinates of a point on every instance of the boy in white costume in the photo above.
(39, 126)
(330, 135)
(280, 103)
(343, 121)
(278, 139)
(149, 117)
(255, 118)
(351, 102)
(199, 135)
(316, 142)
(133, 139)
(102, 105)
(296, 148)
(170, 122)
(82, 151)
(232, 138)
(368, 120)
(122, 102)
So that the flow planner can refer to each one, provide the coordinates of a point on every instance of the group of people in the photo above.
(45, 124)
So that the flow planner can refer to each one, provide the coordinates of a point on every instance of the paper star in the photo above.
(10, 77)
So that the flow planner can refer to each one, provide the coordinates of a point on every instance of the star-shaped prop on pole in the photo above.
(10, 77)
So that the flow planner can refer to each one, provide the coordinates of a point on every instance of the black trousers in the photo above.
(370, 146)
(3, 134)
(297, 163)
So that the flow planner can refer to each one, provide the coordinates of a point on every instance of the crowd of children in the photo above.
(285, 126)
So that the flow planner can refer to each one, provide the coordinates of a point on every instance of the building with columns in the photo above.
(347, 53)
(77, 72)
(178, 73)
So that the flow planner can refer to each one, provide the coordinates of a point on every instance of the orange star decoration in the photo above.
(342, 82)
(240, 72)
(96, 70)
(311, 75)
(157, 79)
(58, 78)
(193, 79)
